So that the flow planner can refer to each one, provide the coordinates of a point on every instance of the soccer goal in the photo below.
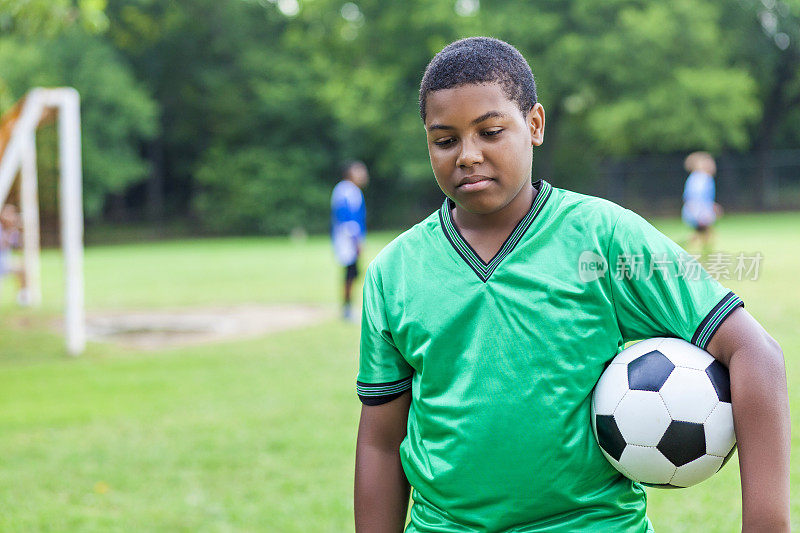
(18, 158)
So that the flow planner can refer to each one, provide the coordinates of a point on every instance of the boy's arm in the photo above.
(761, 419)
(381, 487)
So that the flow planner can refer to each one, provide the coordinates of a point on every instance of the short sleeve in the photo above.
(659, 290)
(383, 373)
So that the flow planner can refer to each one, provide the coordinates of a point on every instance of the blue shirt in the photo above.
(698, 199)
(348, 221)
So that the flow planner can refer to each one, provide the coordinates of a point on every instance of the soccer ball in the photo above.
(661, 413)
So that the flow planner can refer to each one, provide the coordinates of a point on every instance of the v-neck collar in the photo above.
(483, 269)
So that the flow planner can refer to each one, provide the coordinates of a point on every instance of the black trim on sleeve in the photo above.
(714, 319)
(379, 400)
(380, 393)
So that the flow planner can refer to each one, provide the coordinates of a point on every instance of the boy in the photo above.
(481, 341)
(699, 208)
(348, 225)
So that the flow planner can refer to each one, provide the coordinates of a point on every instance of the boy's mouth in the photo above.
(473, 183)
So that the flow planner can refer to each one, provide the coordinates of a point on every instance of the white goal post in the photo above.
(19, 157)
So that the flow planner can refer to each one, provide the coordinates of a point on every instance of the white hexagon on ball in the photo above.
(685, 355)
(718, 427)
(642, 417)
(696, 471)
(610, 389)
(647, 463)
(689, 395)
(616, 464)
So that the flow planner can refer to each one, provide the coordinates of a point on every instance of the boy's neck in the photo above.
(503, 220)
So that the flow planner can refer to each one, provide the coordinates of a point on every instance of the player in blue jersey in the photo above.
(349, 225)
(699, 208)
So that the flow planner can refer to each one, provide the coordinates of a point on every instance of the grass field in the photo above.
(254, 435)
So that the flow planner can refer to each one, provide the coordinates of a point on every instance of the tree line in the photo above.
(236, 115)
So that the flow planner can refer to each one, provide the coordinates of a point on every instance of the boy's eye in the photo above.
(444, 142)
(492, 133)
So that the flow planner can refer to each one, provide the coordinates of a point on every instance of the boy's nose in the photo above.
(469, 155)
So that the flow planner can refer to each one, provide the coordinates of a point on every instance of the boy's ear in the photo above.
(535, 120)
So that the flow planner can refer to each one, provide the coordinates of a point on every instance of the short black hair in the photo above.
(480, 60)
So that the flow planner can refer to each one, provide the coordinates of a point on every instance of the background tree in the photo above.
(36, 18)
(764, 36)
(117, 114)
(245, 143)
(616, 78)
(236, 114)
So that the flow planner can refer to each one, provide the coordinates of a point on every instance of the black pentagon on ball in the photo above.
(649, 371)
(609, 436)
(721, 380)
(683, 442)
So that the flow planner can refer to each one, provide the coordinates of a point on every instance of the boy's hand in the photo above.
(761, 419)
(381, 488)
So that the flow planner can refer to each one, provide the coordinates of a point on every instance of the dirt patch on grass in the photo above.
(152, 330)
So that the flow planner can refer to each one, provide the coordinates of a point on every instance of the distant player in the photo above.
(10, 226)
(349, 225)
(699, 208)
(486, 326)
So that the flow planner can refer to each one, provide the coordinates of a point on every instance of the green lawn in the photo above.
(253, 435)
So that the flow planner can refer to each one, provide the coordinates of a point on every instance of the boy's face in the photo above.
(480, 145)
(357, 173)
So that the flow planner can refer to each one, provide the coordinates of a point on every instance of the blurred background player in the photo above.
(10, 239)
(699, 209)
(348, 224)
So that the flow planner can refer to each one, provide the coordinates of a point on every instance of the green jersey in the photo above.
(501, 358)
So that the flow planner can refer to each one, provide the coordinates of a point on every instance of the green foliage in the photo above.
(680, 93)
(764, 38)
(371, 60)
(637, 76)
(244, 127)
(50, 17)
(257, 189)
(201, 87)
(116, 113)
(616, 78)
(688, 109)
